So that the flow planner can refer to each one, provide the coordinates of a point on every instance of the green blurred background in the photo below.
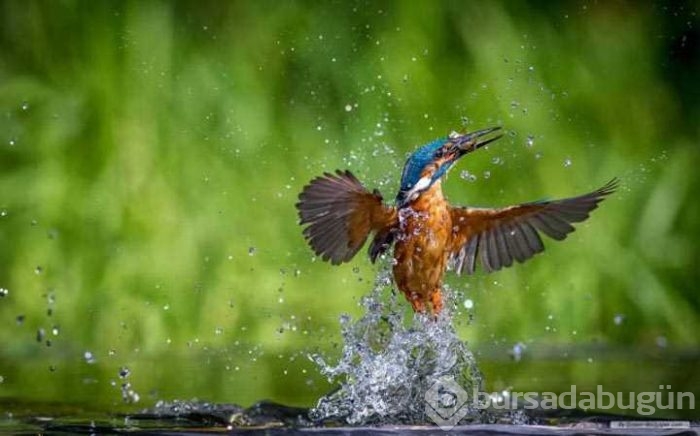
(151, 154)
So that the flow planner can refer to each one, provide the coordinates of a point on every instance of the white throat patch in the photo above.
(420, 185)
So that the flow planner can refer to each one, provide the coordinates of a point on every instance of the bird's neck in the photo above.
(429, 199)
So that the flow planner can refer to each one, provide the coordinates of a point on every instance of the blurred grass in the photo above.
(151, 154)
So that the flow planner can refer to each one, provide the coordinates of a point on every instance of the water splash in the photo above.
(389, 362)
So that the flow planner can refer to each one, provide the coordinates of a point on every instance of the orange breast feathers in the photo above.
(421, 252)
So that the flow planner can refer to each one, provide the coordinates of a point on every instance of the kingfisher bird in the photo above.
(430, 236)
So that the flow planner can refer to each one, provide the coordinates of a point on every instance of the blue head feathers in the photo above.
(417, 161)
(413, 168)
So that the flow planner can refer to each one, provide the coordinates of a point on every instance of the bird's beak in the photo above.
(469, 142)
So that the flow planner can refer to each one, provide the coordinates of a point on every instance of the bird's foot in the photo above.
(417, 303)
(436, 301)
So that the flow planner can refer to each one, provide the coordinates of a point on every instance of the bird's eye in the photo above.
(439, 153)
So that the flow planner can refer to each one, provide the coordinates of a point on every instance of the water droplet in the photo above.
(38, 270)
(487, 174)
(529, 141)
(468, 304)
(567, 162)
(12, 142)
(219, 331)
(496, 160)
(531, 68)
(251, 251)
(55, 330)
(3, 292)
(348, 107)
(20, 319)
(129, 395)
(40, 333)
(619, 319)
(124, 372)
(466, 175)
(661, 342)
(517, 351)
(538, 155)
(25, 105)
(89, 357)
(589, 360)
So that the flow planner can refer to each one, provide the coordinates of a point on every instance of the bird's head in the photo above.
(430, 163)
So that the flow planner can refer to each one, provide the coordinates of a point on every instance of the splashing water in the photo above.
(389, 363)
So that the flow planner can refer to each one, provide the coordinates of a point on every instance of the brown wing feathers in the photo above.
(340, 214)
(497, 237)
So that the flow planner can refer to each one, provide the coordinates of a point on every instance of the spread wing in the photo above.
(496, 237)
(340, 214)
